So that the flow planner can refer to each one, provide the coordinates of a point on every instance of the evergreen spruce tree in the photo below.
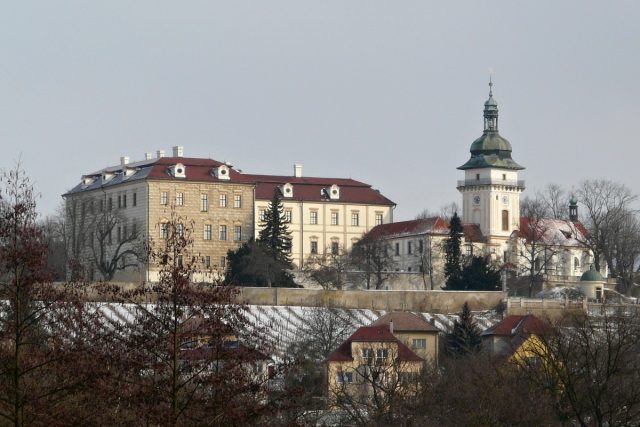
(274, 236)
(453, 255)
(465, 337)
(480, 275)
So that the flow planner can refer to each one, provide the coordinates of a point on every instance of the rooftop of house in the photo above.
(515, 325)
(417, 227)
(373, 334)
(552, 231)
(202, 170)
(404, 321)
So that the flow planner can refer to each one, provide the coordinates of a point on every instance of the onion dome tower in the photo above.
(491, 189)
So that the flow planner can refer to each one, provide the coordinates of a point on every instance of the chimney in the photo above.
(124, 160)
(160, 153)
(148, 156)
(391, 326)
(297, 170)
(178, 150)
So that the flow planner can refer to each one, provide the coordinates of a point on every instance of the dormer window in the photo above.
(127, 172)
(106, 177)
(88, 180)
(222, 172)
(178, 171)
(334, 192)
(287, 190)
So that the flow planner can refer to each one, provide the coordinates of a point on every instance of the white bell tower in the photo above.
(491, 188)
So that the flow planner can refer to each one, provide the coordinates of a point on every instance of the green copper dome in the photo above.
(491, 150)
(573, 201)
(592, 275)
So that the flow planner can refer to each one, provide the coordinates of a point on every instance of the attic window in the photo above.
(566, 234)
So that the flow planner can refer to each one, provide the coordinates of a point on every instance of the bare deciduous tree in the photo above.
(371, 256)
(535, 244)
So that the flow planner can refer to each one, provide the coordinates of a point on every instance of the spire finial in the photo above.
(490, 82)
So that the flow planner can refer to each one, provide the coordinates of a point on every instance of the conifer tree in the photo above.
(453, 254)
(465, 337)
(274, 236)
(480, 275)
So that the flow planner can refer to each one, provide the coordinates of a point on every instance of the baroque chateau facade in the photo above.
(111, 212)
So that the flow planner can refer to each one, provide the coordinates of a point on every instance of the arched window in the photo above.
(505, 220)
(576, 263)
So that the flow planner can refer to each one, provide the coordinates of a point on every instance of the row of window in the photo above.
(204, 200)
(313, 217)
(207, 232)
(335, 247)
(107, 203)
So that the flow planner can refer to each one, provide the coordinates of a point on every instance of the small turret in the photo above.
(573, 209)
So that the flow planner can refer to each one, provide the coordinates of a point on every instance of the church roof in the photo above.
(552, 231)
(435, 225)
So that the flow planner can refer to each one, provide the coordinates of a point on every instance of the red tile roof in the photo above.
(405, 321)
(379, 333)
(311, 190)
(472, 233)
(435, 225)
(304, 188)
(512, 326)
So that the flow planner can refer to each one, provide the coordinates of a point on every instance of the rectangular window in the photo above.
(314, 247)
(381, 355)
(164, 198)
(204, 202)
(262, 214)
(101, 205)
(207, 261)
(237, 201)
(180, 230)
(124, 201)
(223, 232)
(180, 199)
(223, 200)
(119, 234)
(109, 239)
(378, 218)
(313, 219)
(287, 216)
(419, 343)
(505, 220)
(179, 259)
(134, 229)
(420, 246)
(125, 236)
(355, 219)
(237, 233)
(469, 249)
(223, 262)
(164, 230)
(477, 177)
(135, 199)
(409, 248)
(110, 203)
(207, 232)
(397, 249)
(334, 218)
(119, 201)
(344, 377)
(367, 354)
(335, 247)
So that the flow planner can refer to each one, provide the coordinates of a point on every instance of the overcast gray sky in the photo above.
(389, 93)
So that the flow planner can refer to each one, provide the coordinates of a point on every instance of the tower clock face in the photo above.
(505, 200)
(476, 200)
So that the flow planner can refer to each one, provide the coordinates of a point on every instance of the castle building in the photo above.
(113, 212)
(492, 222)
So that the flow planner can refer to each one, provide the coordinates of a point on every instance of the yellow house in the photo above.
(517, 338)
(415, 332)
(371, 364)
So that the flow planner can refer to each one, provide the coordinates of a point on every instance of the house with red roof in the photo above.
(517, 338)
(113, 210)
(372, 362)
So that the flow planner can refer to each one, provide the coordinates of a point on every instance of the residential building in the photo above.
(517, 338)
(113, 212)
(416, 333)
(371, 361)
